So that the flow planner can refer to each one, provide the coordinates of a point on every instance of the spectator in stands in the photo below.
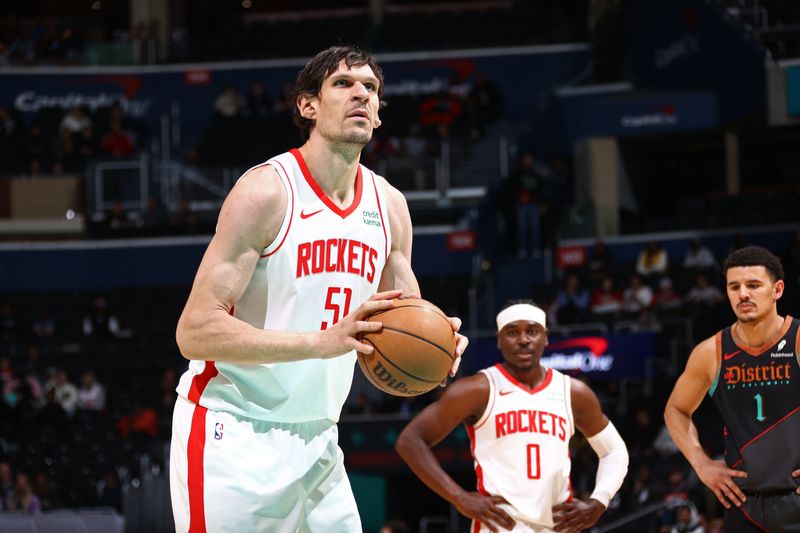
(51, 418)
(704, 303)
(9, 382)
(642, 433)
(484, 105)
(606, 301)
(599, 264)
(687, 520)
(259, 105)
(43, 489)
(652, 262)
(109, 491)
(645, 489)
(101, 322)
(699, 258)
(6, 485)
(91, 395)
(75, 121)
(571, 305)
(12, 142)
(66, 393)
(139, 421)
(229, 104)
(525, 182)
(117, 142)
(636, 299)
(22, 497)
(37, 150)
(43, 326)
(667, 302)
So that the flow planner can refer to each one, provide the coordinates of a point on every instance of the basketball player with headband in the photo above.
(307, 245)
(519, 417)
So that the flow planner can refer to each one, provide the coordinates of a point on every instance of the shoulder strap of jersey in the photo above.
(719, 340)
(284, 166)
(491, 375)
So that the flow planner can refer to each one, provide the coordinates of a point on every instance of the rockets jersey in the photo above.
(757, 391)
(323, 264)
(521, 444)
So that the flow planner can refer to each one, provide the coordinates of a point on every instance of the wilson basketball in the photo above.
(413, 352)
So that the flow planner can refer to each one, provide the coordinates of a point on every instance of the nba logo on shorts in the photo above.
(218, 431)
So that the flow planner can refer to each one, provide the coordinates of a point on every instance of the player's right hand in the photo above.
(719, 478)
(343, 336)
(478, 506)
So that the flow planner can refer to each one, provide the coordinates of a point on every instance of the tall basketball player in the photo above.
(519, 416)
(752, 372)
(307, 245)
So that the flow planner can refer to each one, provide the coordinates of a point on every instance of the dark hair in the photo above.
(527, 301)
(755, 256)
(309, 80)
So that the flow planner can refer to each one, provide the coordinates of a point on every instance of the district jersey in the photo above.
(324, 262)
(757, 391)
(521, 444)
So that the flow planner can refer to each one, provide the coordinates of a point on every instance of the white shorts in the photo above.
(521, 527)
(233, 474)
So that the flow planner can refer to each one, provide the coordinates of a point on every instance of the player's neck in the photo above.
(530, 377)
(333, 167)
(758, 332)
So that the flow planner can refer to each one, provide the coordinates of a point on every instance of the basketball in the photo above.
(413, 352)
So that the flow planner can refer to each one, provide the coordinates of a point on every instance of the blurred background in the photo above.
(601, 157)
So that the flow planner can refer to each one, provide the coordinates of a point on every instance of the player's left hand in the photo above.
(461, 345)
(796, 474)
(575, 515)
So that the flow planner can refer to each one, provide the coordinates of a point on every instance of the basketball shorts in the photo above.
(520, 527)
(233, 474)
(773, 512)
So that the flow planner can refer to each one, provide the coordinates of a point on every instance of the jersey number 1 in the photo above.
(759, 408)
(338, 311)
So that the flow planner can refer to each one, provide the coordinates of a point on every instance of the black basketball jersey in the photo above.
(757, 391)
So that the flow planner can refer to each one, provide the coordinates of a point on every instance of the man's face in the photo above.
(752, 292)
(346, 109)
(522, 343)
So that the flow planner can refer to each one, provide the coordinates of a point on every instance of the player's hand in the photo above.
(461, 345)
(719, 478)
(576, 515)
(478, 506)
(343, 336)
(796, 474)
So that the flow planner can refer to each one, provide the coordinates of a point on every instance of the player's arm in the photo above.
(689, 391)
(464, 401)
(397, 273)
(575, 515)
(249, 220)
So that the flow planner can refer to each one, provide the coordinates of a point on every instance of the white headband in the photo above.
(516, 312)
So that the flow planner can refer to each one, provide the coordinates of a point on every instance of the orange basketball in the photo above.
(413, 352)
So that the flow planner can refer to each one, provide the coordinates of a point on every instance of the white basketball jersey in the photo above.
(521, 444)
(323, 264)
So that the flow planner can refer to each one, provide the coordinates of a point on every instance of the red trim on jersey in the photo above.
(380, 212)
(195, 478)
(545, 382)
(291, 214)
(321, 194)
(476, 526)
(751, 441)
(758, 350)
(199, 381)
(750, 519)
(478, 469)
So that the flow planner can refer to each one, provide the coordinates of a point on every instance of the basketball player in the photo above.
(752, 372)
(519, 416)
(307, 245)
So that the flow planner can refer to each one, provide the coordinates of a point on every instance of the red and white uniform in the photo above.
(521, 447)
(323, 264)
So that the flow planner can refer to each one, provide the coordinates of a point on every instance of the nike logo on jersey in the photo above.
(504, 392)
(305, 215)
(729, 355)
